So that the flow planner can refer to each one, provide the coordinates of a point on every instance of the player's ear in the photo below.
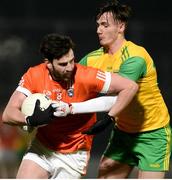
(122, 27)
(48, 64)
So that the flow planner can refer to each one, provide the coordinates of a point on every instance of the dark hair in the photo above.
(119, 11)
(54, 46)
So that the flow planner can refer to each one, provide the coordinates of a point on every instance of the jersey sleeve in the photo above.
(96, 80)
(133, 68)
(26, 84)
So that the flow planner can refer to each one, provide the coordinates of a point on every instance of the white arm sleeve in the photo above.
(100, 104)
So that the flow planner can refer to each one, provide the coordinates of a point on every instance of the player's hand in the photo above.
(40, 117)
(62, 109)
(100, 125)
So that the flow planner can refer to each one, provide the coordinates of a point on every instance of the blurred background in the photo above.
(24, 23)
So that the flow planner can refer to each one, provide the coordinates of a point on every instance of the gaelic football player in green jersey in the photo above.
(141, 135)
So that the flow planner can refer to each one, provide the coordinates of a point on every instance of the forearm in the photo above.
(13, 116)
(100, 104)
(123, 99)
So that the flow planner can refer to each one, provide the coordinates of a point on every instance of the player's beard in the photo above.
(67, 76)
(61, 77)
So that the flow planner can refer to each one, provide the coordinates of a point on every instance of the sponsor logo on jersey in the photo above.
(156, 165)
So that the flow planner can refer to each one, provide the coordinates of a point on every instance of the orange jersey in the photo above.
(64, 134)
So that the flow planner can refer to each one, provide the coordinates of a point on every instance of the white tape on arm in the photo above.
(100, 104)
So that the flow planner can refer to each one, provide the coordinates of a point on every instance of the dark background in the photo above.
(24, 23)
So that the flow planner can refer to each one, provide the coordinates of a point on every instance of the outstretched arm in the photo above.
(99, 104)
(125, 88)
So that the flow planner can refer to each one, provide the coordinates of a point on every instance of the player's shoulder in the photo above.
(85, 72)
(135, 49)
(97, 52)
(84, 69)
(92, 56)
(37, 69)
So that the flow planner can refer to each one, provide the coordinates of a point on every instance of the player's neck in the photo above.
(115, 46)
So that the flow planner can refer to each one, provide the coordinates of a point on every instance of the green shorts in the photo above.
(149, 151)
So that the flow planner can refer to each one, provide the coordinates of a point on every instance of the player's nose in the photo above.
(69, 67)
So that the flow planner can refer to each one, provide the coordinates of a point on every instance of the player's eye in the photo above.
(63, 64)
(105, 24)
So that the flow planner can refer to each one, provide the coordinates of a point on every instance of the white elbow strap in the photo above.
(100, 104)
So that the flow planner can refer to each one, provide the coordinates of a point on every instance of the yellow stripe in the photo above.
(167, 157)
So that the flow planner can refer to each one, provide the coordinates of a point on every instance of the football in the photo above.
(29, 103)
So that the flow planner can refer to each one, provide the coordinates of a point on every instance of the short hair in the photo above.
(54, 46)
(120, 12)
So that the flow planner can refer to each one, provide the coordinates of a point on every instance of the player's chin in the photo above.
(102, 43)
(67, 77)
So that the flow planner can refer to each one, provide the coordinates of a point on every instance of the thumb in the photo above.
(37, 104)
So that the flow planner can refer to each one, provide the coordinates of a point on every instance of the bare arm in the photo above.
(12, 114)
(125, 89)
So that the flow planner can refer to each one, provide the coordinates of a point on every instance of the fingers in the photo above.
(59, 110)
(59, 114)
(54, 105)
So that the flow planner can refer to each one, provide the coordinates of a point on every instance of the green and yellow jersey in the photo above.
(147, 111)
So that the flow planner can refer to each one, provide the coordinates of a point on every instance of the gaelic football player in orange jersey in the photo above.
(60, 149)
